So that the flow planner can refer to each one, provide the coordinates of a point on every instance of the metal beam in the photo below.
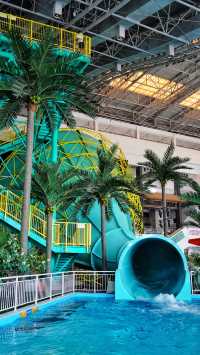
(193, 7)
(153, 29)
(85, 12)
(135, 22)
(39, 14)
(137, 58)
(107, 14)
(118, 59)
(121, 43)
(138, 10)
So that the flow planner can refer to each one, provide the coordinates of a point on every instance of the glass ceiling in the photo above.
(148, 85)
(192, 101)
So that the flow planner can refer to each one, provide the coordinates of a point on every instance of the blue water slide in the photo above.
(152, 265)
(146, 266)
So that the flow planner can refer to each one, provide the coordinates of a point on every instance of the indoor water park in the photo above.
(99, 177)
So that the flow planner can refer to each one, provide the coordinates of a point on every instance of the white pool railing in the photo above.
(19, 291)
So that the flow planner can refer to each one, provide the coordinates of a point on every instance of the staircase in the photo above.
(10, 139)
(69, 238)
(64, 262)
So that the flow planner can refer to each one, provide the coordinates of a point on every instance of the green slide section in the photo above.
(76, 148)
(145, 266)
(69, 239)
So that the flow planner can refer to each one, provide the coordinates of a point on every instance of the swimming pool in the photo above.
(94, 326)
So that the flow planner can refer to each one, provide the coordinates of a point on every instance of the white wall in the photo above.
(129, 137)
(134, 149)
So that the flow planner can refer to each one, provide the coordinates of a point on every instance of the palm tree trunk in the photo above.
(27, 178)
(103, 237)
(49, 239)
(164, 208)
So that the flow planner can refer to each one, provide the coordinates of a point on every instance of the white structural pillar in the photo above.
(95, 125)
(137, 132)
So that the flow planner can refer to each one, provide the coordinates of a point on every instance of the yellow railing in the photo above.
(8, 134)
(66, 234)
(34, 31)
(72, 234)
(94, 281)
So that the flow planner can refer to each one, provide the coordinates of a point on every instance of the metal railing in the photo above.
(19, 291)
(35, 31)
(65, 233)
(72, 234)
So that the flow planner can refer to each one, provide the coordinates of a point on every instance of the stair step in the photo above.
(64, 263)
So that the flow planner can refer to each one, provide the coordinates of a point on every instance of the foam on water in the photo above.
(169, 303)
(167, 298)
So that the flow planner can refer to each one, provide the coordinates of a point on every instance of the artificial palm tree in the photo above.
(38, 79)
(193, 199)
(163, 170)
(194, 218)
(50, 186)
(105, 184)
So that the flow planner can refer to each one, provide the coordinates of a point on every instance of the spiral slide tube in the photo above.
(146, 266)
(152, 265)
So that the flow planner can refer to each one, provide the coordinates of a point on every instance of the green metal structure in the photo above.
(13, 141)
(76, 147)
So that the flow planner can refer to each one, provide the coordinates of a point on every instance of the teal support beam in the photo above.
(54, 151)
(54, 159)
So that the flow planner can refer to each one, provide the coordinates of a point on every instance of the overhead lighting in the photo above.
(147, 85)
(192, 101)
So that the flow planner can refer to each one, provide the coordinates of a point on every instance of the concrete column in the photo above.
(95, 124)
(174, 139)
(137, 132)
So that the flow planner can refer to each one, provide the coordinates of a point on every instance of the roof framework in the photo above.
(145, 56)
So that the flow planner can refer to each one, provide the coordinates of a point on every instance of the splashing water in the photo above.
(166, 298)
(170, 303)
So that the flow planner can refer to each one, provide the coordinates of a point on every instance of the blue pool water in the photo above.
(84, 326)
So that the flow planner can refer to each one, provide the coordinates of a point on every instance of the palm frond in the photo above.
(165, 169)
(9, 69)
(52, 117)
(8, 112)
(178, 163)
(66, 114)
(169, 153)
(192, 198)
(22, 48)
(194, 218)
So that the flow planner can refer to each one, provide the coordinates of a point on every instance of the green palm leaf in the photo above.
(165, 169)
(47, 85)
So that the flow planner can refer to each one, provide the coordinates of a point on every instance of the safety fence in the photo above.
(19, 291)
(195, 282)
(35, 31)
(65, 233)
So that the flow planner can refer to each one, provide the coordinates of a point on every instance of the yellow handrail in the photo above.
(73, 234)
(66, 234)
(34, 31)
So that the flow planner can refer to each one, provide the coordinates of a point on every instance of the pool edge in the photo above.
(11, 316)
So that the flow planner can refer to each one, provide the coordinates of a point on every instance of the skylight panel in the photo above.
(192, 101)
(148, 85)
